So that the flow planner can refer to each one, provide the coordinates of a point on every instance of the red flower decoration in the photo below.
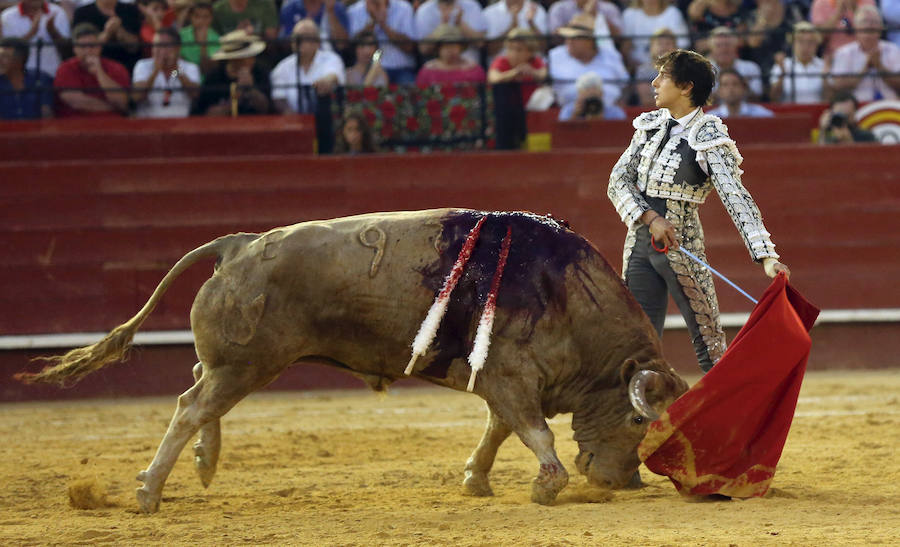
(457, 113)
(370, 93)
(388, 110)
(436, 127)
(354, 95)
(434, 108)
(448, 91)
(370, 116)
(468, 91)
(412, 124)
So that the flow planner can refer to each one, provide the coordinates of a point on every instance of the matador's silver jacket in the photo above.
(673, 174)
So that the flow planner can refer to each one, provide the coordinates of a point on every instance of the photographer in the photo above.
(837, 124)
(589, 103)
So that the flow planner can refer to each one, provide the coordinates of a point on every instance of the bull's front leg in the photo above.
(552, 476)
(476, 482)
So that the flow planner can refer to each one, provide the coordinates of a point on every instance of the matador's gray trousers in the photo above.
(651, 280)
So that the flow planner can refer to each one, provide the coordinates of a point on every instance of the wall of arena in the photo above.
(84, 242)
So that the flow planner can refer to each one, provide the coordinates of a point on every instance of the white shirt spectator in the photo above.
(565, 69)
(890, 10)
(850, 59)
(746, 109)
(499, 18)
(637, 23)
(284, 75)
(809, 79)
(751, 73)
(399, 18)
(562, 11)
(17, 25)
(428, 17)
(165, 89)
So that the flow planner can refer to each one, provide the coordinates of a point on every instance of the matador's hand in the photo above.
(663, 232)
(773, 268)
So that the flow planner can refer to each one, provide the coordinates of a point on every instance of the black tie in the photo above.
(669, 125)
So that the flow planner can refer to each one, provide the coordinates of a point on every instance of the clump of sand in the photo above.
(87, 494)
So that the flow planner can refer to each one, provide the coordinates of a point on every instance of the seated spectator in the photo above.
(644, 19)
(153, 13)
(662, 42)
(519, 62)
(868, 67)
(238, 86)
(254, 17)
(834, 18)
(607, 15)
(769, 26)
(580, 55)
(837, 124)
(466, 15)
(589, 103)
(504, 16)
(165, 85)
(25, 94)
(367, 71)
(450, 66)
(355, 136)
(319, 72)
(89, 84)
(34, 20)
(393, 25)
(724, 54)
(706, 15)
(890, 10)
(120, 27)
(199, 41)
(801, 78)
(733, 98)
(329, 15)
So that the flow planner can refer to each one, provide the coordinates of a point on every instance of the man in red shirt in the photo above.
(87, 84)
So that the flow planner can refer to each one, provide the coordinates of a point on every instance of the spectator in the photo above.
(164, 84)
(368, 70)
(254, 17)
(519, 62)
(463, 14)
(868, 67)
(607, 14)
(36, 20)
(801, 78)
(392, 23)
(733, 98)
(310, 71)
(724, 54)
(25, 94)
(355, 136)
(890, 9)
(837, 124)
(706, 15)
(153, 12)
(120, 25)
(329, 15)
(239, 85)
(835, 19)
(645, 18)
(450, 66)
(589, 103)
(199, 41)
(580, 55)
(89, 84)
(505, 16)
(769, 26)
(661, 43)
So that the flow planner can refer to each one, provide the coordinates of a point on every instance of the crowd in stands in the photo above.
(175, 58)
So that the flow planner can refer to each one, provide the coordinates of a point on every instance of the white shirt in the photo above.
(565, 69)
(809, 78)
(745, 109)
(284, 76)
(749, 70)
(16, 25)
(399, 19)
(499, 18)
(640, 25)
(850, 59)
(164, 85)
(428, 17)
(890, 10)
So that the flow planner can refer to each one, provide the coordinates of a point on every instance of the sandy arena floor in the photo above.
(354, 468)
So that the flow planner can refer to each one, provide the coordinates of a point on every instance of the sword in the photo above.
(705, 265)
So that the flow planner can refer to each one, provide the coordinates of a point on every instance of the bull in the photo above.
(567, 337)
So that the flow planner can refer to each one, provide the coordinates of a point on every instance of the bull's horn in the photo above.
(637, 388)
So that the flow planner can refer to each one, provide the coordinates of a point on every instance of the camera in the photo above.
(838, 121)
(593, 106)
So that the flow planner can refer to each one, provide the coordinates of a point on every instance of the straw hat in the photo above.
(446, 34)
(238, 44)
(581, 26)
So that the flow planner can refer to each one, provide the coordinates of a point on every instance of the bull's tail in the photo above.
(71, 367)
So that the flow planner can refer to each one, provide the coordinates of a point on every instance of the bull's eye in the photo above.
(638, 419)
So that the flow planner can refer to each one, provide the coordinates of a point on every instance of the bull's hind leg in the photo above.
(476, 482)
(206, 449)
(212, 396)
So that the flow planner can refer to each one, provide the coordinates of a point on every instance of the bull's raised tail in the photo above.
(68, 369)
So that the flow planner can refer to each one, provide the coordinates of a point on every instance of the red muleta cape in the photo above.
(725, 435)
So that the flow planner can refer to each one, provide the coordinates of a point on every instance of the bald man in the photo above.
(308, 73)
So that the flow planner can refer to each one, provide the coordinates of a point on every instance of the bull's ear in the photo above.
(629, 367)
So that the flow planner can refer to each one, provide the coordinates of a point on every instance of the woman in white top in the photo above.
(799, 79)
(646, 17)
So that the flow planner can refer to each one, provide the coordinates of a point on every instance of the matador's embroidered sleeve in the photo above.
(622, 190)
(711, 137)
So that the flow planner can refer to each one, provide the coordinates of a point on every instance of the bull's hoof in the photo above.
(142, 476)
(205, 469)
(545, 487)
(477, 484)
(635, 482)
(148, 502)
